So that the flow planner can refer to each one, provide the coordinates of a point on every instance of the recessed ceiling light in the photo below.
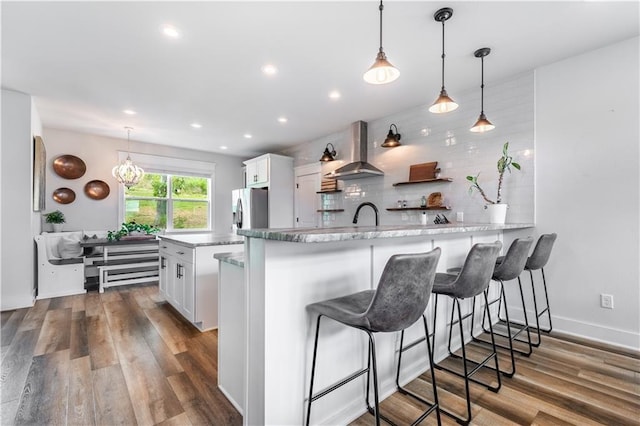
(269, 69)
(170, 31)
(248, 135)
(334, 94)
(282, 119)
(129, 111)
(223, 147)
(196, 125)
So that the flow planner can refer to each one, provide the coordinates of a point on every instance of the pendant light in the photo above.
(127, 173)
(393, 139)
(381, 72)
(328, 155)
(444, 103)
(482, 125)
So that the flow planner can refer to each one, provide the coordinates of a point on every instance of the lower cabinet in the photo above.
(189, 280)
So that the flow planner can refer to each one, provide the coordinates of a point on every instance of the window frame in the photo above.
(174, 167)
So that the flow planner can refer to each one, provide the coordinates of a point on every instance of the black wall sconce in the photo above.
(328, 155)
(393, 139)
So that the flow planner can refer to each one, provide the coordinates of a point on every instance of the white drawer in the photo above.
(179, 252)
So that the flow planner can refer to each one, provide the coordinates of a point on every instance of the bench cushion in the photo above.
(69, 247)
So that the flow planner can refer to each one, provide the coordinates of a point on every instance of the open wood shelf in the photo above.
(330, 210)
(331, 191)
(398, 209)
(423, 181)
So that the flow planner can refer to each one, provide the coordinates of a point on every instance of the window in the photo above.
(170, 201)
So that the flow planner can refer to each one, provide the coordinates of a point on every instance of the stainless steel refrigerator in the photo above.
(250, 208)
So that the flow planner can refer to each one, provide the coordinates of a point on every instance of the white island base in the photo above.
(283, 277)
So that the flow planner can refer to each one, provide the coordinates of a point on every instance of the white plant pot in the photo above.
(58, 227)
(497, 213)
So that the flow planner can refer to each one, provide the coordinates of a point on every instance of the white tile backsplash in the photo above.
(445, 138)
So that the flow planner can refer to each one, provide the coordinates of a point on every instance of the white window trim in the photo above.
(174, 166)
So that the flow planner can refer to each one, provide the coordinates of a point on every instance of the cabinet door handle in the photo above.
(163, 262)
(180, 252)
(178, 271)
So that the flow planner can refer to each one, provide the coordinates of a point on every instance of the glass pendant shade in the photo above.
(443, 104)
(381, 72)
(482, 125)
(127, 172)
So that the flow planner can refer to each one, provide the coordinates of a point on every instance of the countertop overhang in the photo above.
(198, 240)
(347, 233)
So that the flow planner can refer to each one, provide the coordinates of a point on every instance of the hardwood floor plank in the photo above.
(56, 331)
(79, 336)
(78, 303)
(151, 396)
(93, 304)
(16, 364)
(4, 316)
(166, 327)
(208, 392)
(110, 295)
(44, 399)
(179, 420)
(112, 403)
(65, 302)
(80, 406)
(101, 349)
(11, 325)
(544, 419)
(35, 317)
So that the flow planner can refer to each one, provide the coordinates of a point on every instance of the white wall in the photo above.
(588, 190)
(100, 154)
(17, 224)
(444, 138)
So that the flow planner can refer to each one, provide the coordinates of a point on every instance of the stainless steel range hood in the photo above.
(358, 168)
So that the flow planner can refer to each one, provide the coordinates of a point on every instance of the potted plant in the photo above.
(56, 219)
(497, 210)
(132, 229)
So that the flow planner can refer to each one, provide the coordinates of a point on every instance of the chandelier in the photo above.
(127, 173)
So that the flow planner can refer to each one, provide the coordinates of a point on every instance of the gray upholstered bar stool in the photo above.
(509, 268)
(473, 280)
(401, 298)
(538, 260)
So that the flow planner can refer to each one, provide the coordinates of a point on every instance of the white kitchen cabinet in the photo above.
(189, 276)
(274, 172)
(258, 172)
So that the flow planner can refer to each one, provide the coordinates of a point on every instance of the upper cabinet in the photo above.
(258, 171)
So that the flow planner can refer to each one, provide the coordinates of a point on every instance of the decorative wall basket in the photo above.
(497, 213)
(69, 166)
(97, 189)
(64, 195)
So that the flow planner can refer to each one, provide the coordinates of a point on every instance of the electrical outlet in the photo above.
(606, 301)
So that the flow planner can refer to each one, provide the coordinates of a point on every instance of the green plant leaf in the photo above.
(471, 178)
(516, 165)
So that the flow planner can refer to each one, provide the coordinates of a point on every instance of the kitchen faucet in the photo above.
(373, 206)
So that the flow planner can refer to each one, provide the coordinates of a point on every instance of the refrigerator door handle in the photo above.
(239, 213)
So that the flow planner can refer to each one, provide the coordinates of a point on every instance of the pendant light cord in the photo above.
(381, 7)
(443, 54)
(482, 87)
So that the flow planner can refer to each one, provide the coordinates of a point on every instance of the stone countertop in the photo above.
(201, 240)
(348, 233)
(236, 258)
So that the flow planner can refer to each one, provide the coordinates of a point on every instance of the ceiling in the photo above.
(86, 62)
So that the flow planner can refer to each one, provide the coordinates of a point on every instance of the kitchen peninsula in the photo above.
(287, 269)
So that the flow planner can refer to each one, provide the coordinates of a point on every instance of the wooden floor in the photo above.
(125, 357)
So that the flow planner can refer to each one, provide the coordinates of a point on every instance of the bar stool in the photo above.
(507, 268)
(538, 259)
(401, 298)
(473, 279)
